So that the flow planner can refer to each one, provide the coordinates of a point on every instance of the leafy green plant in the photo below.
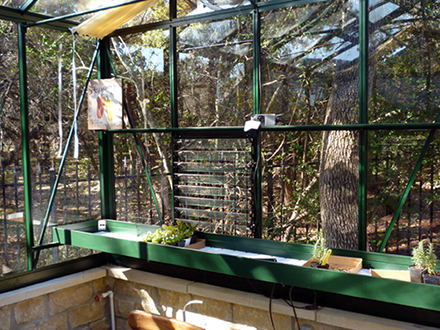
(320, 252)
(186, 230)
(170, 237)
(169, 234)
(419, 255)
(430, 260)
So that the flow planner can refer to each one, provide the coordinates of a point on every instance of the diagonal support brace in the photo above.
(63, 160)
(150, 183)
(409, 185)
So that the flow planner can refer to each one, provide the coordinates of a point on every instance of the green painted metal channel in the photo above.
(352, 285)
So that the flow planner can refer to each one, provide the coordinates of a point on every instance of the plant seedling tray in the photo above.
(199, 244)
(400, 275)
(344, 264)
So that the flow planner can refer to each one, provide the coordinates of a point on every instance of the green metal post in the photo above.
(106, 153)
(363, 119)
(256, 27)
(173, 90)
(173, 67)
(27, 179)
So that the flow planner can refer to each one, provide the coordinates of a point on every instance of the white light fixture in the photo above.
(256, 121)
(253, 124)
(105, 22)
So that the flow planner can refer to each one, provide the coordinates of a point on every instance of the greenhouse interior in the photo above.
(220, 164)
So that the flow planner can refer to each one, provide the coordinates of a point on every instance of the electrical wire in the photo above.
(293, 307)
(289, 302)
(270, 307)
(257, 165)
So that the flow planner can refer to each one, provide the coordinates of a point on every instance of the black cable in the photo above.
(251, 136)
(270, 306)
(311, 307)
(257, 164)
(293, 307)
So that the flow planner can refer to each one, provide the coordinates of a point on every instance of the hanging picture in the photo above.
(105, 104)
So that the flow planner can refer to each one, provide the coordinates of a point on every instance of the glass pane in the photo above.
(291, 207)
(58, 8)
(12, 3)
(52, 96)
(142, 60)
(215, 73)
(405, 52)
(309, 76)
(393, 156)
(12, 229)
(195, 7)
(309, 63)
(213, 184)
(135, 201)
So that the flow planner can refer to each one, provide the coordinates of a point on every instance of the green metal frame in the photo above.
(27, 175)
(363, 119)
(20, 16)
(106, 152)
(173, 89)
(393, 292)
(256, 29)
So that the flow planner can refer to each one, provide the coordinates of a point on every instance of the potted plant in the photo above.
(155, 237)
(180, 234)
(170, 237)
(431, 276)
(322, 258)
(186, 230)
(321, 254)
(418, 258)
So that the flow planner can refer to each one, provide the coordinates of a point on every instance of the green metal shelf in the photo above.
(407, 294)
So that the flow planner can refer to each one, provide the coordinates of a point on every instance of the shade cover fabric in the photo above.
(105, 22)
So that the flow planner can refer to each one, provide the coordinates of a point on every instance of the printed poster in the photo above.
(105, 104)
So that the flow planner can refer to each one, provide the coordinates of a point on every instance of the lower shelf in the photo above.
(265, 268)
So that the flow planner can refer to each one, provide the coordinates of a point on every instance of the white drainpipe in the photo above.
(98, 298)
(190, 303)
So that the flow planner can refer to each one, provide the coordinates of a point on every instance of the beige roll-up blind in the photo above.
(105, 22)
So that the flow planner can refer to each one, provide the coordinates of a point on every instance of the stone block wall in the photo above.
(68, 303)
(61, 306)
(210, 314)
(216, 308)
